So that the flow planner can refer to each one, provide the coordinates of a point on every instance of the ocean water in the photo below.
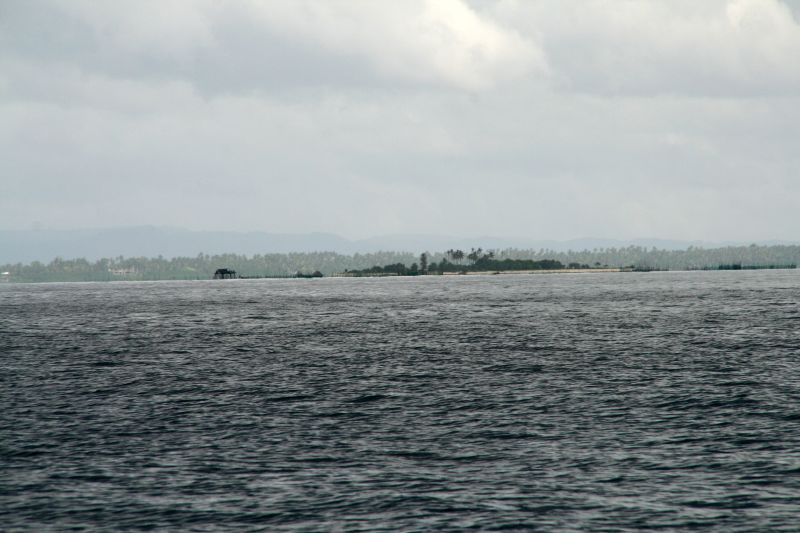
(576, 401)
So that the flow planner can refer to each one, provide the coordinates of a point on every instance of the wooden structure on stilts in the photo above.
(224, 273)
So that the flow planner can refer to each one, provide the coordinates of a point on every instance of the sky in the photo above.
(539, 119)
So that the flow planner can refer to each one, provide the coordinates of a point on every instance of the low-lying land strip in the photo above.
(451, 262)
(482, 272)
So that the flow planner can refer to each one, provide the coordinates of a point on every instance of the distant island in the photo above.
(479, 262)
(316, 264)
(453, 263)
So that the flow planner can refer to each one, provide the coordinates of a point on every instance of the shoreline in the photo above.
(542, 271)
(488, 273)
(612, 270)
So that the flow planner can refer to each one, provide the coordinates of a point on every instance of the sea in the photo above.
(560, 402)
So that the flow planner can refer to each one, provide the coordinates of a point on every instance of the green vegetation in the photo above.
(739, 266)
(477, 261)
(203, 266)
(315, 274)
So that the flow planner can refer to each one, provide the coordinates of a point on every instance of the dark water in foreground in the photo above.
(549, 401)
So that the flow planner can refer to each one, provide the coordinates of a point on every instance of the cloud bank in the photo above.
(538, 119)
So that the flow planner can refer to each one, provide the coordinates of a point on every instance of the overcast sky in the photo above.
(549, 119)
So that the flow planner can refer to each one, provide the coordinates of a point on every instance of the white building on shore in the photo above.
(122, 271)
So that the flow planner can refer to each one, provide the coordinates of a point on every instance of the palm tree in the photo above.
(475, 255)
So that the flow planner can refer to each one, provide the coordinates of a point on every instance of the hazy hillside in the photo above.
(149, 241)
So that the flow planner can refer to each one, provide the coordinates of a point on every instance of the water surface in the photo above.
(532, 401)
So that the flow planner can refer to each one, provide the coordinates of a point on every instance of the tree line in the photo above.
(453, 261)
(203, 266)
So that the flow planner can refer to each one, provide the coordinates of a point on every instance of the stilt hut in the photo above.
(224, 273)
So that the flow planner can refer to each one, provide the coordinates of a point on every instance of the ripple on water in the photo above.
(607, 401)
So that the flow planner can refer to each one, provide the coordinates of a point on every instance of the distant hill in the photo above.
(150, 241)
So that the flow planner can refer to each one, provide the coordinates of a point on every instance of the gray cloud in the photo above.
(538, 119)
